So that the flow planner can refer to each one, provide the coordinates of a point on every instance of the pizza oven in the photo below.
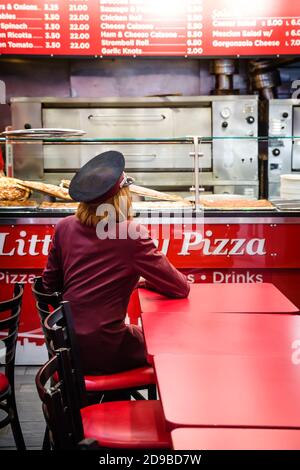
(151, 133)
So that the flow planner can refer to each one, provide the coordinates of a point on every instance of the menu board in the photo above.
(150, 28)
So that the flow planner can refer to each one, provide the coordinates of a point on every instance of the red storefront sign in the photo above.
(246, 252)
(218, 245)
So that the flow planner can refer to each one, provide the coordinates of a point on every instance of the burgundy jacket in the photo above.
(98, 277)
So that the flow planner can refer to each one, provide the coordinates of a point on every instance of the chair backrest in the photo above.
(61, 412)
(9, 325)
(45, 304)
(41, 296)
(60, 334)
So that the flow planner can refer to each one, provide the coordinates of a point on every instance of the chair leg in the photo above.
(152, 393)
(46, 440)
(15, 423)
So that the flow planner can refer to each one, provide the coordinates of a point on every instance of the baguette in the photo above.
(50, 189)
(141, 191)
(151, 193)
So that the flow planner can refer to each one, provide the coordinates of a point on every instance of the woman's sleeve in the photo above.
(52, 274)
(157, 270)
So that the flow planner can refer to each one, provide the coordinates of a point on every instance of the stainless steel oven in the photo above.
(228, 164)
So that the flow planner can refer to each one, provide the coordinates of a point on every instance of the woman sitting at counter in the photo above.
(96, 260)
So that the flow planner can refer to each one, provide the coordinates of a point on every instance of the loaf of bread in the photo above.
(49, 189)
(151, 193)
(11, 190)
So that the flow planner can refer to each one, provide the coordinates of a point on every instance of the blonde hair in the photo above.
(86, 212)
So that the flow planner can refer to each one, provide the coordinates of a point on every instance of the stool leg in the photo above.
(15, 423)
(152, 393)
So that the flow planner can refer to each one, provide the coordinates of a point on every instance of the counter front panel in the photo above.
(232, 247)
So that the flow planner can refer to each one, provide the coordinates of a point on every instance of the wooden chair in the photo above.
(53, 405)
(125, 424)
(8, 342)
(99, 387)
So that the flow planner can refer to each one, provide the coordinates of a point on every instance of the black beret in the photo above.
(98, 179)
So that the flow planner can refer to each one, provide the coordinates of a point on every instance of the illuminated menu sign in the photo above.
(150, 28)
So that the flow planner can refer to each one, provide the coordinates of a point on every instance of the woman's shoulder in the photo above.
(65, 222)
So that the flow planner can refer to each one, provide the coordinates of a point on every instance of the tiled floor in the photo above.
(29, 409)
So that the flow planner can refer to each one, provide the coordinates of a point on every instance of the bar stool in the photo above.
(123, 424)
(8, 342)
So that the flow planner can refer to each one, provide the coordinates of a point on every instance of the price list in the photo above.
(55, 27)
(156, 28)
(252, 28)
(150, 28)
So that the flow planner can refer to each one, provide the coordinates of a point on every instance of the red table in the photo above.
(189, 332)
(235, 298)
(235, 439)
(230, 391)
